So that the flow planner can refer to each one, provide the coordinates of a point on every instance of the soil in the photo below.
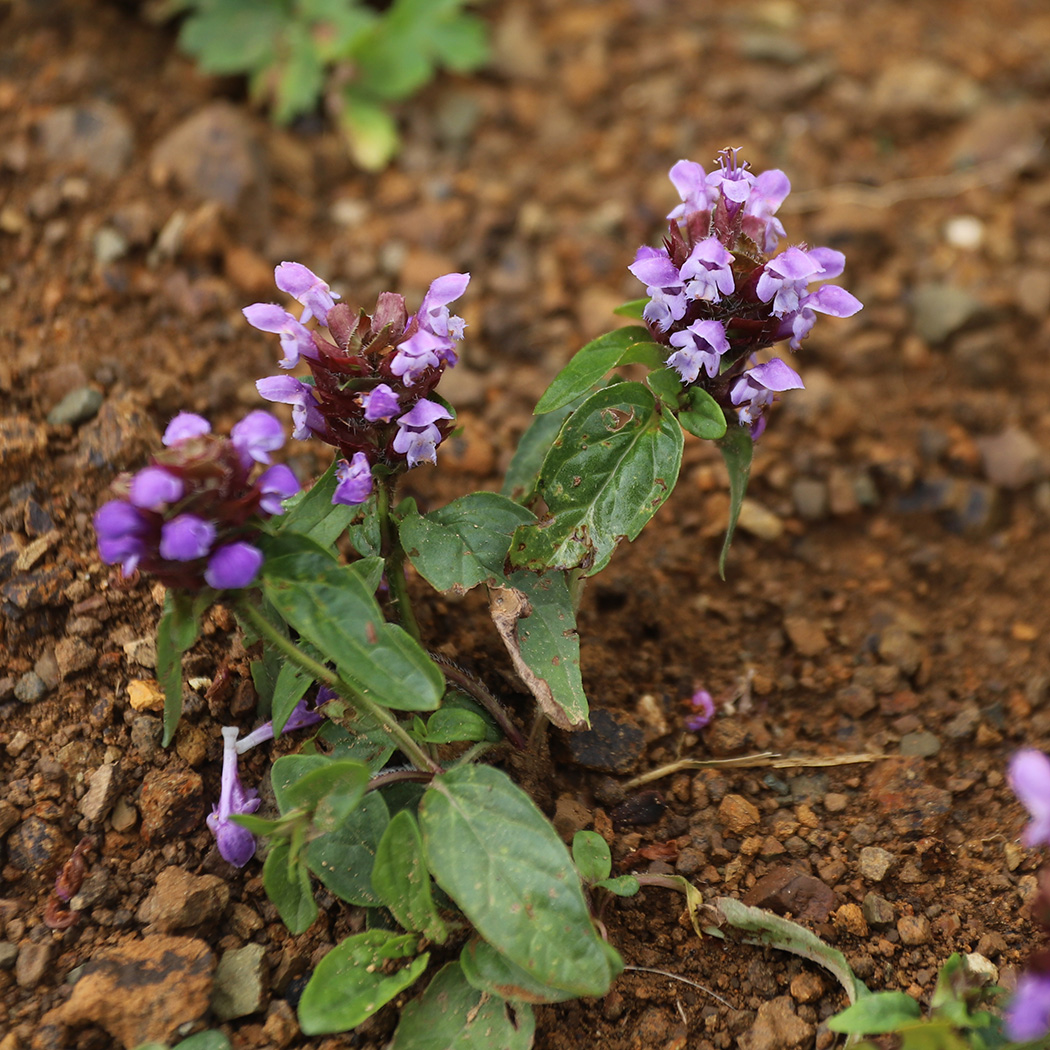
(883, 622)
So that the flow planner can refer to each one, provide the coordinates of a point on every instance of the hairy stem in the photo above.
(266, 630)
(477, 689)
(394, 556)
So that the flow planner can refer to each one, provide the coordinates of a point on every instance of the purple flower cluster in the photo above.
(1028, 1015)
(190, 516)
(718, 293)
(372, 376)
(237, 844)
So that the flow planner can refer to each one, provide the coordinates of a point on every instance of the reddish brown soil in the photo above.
(893, 604)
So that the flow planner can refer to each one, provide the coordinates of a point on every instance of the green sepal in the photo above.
(178, 631)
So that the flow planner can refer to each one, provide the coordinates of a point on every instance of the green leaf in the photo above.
(343, 858)
(450, 725)
(737, 449)
(589, 364)
(876, 1014)
(498, 857)
(287, 884)
(331, 792)
(401, 879)
(489, 971)
(351, 983)
(451, 1015)
(287, 771)
(300, 74)
(337, 614)
(464, 543)
(621, 886)
(612, 467)
(633, 308)
(235, 36)
(534, 616)
(355, 736)
(177, 631)
(210, 1040)
(290, 687)
(590, 854)
(314, 515)
(523, 475)
(667, 386)
(370, 131)
(702, 416)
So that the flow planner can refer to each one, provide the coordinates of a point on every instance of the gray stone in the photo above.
(47, 668)
(109, 245)
(95, 136)
(1011, 459)
(940, 309)
(777, 1027)
(877, 910)
(78, 406)
(30, 688)
(810, 499)
(873, 863)
(239, 988)
(759, 521)
(922, 744)
(101, 794)
(32, 963)
(8, 954)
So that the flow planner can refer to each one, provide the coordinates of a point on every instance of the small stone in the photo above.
(108, 246)
(37, 846)
(180, 901)
(73, 655)
(913, 929)
(806, 987)
(777, 1027)
(78, 406)
(1012, 459)
(8, 954)
(922, 744)
(124, 815)
(145, 694)
(787, 890)
(806, 635)
(877, 910)
(141, 651)
(644, 807)
(757, 520)
(834, 802)
(33, 962)
(101, 793)
(981, 967)
(737, 815)
(21, 441)
(142, 991)
(172, 803)
(191, 744)
(941, 309)
(146, 734)
(570, 816)
(609, 746)
(851, 919)
(991, 944)
(95, 136)
(47, 668)
(810, 499)
(9, 816)
(240, 980)
(18, 743)
(281, 1028)
(874, 863)
(856, 700)
(898, 647)
(30, 688)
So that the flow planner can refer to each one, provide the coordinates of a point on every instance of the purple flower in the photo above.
(732, 180)
(296, 339)
(704, 707)
(184, 427)
(236, 844)
(417, 437)
(691, 182)
(701, 346)
(120, 529)
(708, 272)
(755, 389)
(434, 316)
(233, 565)
(1028, 1015)
(186, 538)
(256, 436)
(420, 351)
(276, 485)
(354, 481)
(664, 286)
(301, 717)
(380, 404)
(1029, 776)
(154, 487)
(287, 390)
(767, 194)
(305, 286)
(784, 279)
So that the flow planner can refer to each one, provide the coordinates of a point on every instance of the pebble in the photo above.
(1011, 459)
(786, 889)
(180, 900)
(281, 1028)
(8, 954)
(172, 803)
(913, 929)
(850, 918)
(807, 987)
(873, 863)
(47, 668)
(37, 846)
(938, 310)
(834, 802)
(21, 440)
(240, 983)
(777, 1027)
(645, 807)
(806, 635)
(101, 793)
(124, 815)
(609, 746)
(141, 651)
(982, 968)
(73, 655)
(909, 803)
(570, 816)
(78, 406)
(141, 991)
(146, 733)
(737, 815)
(877, 910)
(757, 520)
(922, 744)
(145, 694)
(9, 817)
(108, 245)
(32, 963)
(809, 496)
(30, 688)
(95, 136)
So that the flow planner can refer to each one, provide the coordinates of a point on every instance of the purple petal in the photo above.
(301, 717)
(154, 487)
(118, 518)
(380, 404)
(186, 538)
(1029, 776)
(653, 267)
(268, 317)
(303, 284)
(276, 485)
(236, 844)
(285, 390)
(443, 290)
(234, 565)
(1028, 1015)
(418, 445)
(423, 413)
(776, 375)
(354, 481)
(833, 300)
(256, 436)
(183, 427)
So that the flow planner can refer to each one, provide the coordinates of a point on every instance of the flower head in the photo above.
(256, 436)
(701, 346)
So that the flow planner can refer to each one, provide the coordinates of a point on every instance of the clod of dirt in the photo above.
(609, 746)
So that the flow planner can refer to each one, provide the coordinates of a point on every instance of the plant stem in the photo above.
(470, 685)
(394, 556)
(262, 626)
(577, 582)
(473, 753)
